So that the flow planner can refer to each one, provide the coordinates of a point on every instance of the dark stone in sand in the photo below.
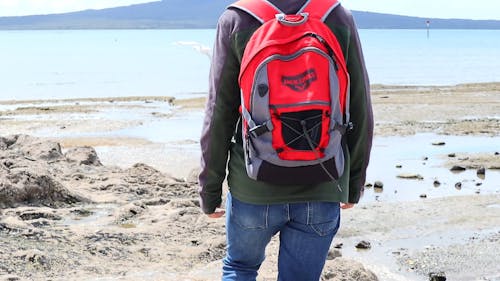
(378, 184)
(368, 185)
(363, 245)
(451, 155)
(437, 183)
(338, 245)
(423, 195)
(457, 168)
(497, 153)
(425, 158)
(458, 185)
(439, 143)
(439, 276)
(481, 171)
(399, 166)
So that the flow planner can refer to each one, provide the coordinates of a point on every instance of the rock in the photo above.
(451, 155)
(85, 155)
(338, 245)
(423, 195)
(363, 245)
(333, 254)
(481, 171)
(458, 185)
(34, 148)
(342, 269)
(439, 143)
(437, 183)
(399, 166)
(410, 176)
(368, 185)
(497, 153)
(378, 184)
(28, 188)
(425, 158)
(457, 168)
(440, 276)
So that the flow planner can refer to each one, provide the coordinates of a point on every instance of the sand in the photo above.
(84, 196)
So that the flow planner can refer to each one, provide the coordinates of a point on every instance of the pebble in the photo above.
(457, 168)
(423, 195)
(399, 166)
(410, 176)
(378, 184)
(439, 143)
(439, 276)
(338, 245)
(458, 185)
(437, 183)
(363, 245)
(451, 155)
(481, 171)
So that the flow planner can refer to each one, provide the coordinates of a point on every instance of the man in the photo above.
(306, 217)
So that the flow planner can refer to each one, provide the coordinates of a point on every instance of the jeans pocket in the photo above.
(324, 217)
(249, 216)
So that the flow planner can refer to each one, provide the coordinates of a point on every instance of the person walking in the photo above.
(305, 215)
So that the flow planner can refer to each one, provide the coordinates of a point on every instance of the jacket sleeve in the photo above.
(221, 115)
(359, 139)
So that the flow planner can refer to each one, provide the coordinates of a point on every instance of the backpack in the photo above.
(294, 95)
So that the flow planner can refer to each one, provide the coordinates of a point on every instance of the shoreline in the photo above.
(141, 221)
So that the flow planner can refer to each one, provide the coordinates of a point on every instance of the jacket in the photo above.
(221, 143)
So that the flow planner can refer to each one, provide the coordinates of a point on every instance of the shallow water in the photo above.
(411, 151)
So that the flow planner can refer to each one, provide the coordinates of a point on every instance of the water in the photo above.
(102, 63)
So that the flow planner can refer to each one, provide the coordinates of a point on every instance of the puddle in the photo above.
(185, 127)
(385, 254)
(416, 155)
(94, 215)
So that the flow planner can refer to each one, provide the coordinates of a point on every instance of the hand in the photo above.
(217, 214)
(345, 206)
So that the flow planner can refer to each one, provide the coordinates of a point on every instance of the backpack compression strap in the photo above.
(264, 10)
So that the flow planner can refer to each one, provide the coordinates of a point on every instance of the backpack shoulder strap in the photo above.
(262, 10)
(319, 9)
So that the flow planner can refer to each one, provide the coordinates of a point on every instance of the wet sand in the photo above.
(118, 221)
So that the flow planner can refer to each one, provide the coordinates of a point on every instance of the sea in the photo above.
(59, 64)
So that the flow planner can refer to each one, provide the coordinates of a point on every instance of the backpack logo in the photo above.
(300, 82)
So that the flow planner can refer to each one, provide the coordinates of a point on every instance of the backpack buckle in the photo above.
(292, 20)
(261, 129)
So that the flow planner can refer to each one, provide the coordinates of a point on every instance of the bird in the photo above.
(200, 48)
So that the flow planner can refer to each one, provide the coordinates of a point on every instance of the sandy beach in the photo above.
(105, 189)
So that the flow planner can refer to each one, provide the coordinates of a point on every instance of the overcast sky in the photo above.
(477, 9)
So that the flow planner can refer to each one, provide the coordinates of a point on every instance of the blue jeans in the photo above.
(306, 231)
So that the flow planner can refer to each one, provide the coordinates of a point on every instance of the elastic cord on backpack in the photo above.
(310, 142)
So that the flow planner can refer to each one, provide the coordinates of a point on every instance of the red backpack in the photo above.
(294, 95)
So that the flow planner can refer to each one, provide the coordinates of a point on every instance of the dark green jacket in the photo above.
(221, 135)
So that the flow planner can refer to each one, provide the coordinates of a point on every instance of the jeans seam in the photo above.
(267, 216)
(309, 213)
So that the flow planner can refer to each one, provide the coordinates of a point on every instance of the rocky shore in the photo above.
(85, 196)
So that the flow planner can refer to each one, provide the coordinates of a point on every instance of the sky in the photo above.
(477, 9)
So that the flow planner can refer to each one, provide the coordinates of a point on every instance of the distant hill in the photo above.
(203, 14)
